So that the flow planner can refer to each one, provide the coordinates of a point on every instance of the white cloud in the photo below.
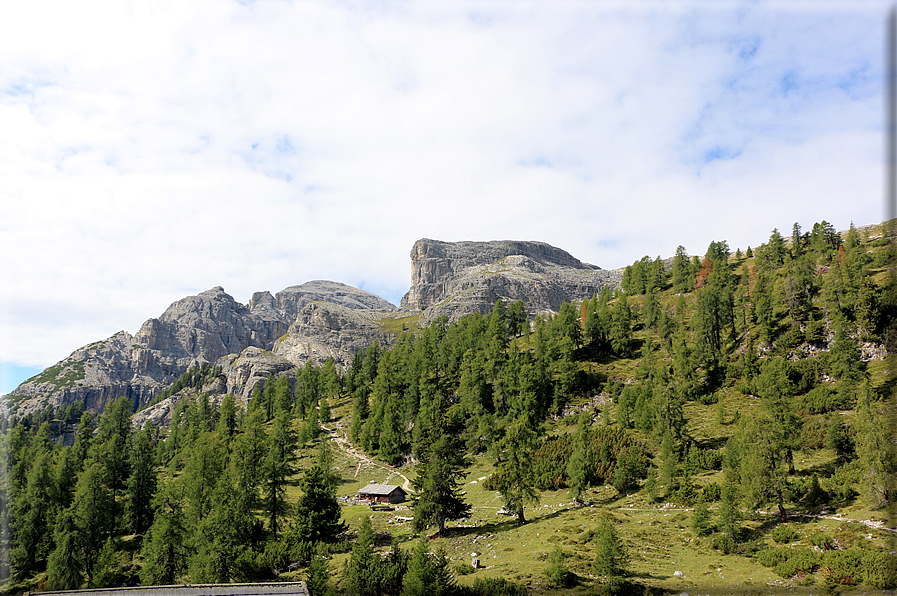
(155, 149)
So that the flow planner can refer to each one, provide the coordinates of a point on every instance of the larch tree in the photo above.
(279, 464)
(517, 486)
(440, 471)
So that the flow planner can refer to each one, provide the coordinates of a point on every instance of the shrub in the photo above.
(462, 569)
(822, 540)
(812, 433)
(801, 560)
(880, 570)
(712, 492)
(493, 586)
(818, 400)
(844, 566)
(784, 534)
(724, 544)
(770, 557)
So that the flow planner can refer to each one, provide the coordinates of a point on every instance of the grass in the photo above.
(399, 324)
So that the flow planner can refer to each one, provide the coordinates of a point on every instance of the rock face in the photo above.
(456, 278)
(274, 334)
(207, 327)
(324, 330)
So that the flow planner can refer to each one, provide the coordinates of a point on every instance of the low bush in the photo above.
(712, 492)
(822, 540)
(880, 570)
(770, 557)
(784, 534)
(844, 566)
(801, 560)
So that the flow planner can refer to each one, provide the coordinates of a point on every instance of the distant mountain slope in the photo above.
(315, 321)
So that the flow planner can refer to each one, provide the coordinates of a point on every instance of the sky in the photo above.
(151, 150)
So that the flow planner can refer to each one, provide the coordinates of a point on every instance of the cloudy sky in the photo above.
(152, 150)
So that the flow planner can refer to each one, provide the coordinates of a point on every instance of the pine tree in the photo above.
(105, 572)
(221, 540)
(163, 551)
(202, 472)
(111, 448)
(318, 575)
(577, 474)
(227, 418)
(700, 519)
(557, 574)
(93, 506)
(440, 471)
(250, 447)
(32, 516)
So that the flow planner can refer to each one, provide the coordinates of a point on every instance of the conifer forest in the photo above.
(719, 422)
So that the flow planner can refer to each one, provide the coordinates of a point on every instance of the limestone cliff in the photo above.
(456, 278)
(207, 327)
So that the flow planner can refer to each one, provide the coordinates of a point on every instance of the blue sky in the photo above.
(153, 150)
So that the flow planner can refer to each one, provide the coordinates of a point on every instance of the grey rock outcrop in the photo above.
(457, 278)
(323, 330)
(208, 327)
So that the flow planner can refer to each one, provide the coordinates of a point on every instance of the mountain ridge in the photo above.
(315, 320)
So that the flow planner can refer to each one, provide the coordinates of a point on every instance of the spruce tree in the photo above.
(440, 471)
(317, 516)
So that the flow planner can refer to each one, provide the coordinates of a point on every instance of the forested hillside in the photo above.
(727, 417)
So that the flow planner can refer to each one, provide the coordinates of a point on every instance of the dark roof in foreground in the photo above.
(380, 489)
(263, 589)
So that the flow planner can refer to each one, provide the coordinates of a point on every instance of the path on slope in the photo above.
(343, 443)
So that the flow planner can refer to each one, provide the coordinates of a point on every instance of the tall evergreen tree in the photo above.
(577, 473)
(64, 568)
(278, 466)
(164, 548)
(428, 574)
(141, 483)
(611, 558)
(93, 507)
(440, 471)
(317, 516)
(360, 572)
(517, 486)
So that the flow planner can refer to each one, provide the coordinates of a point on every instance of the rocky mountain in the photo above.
(317, 320)
(456, 278)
